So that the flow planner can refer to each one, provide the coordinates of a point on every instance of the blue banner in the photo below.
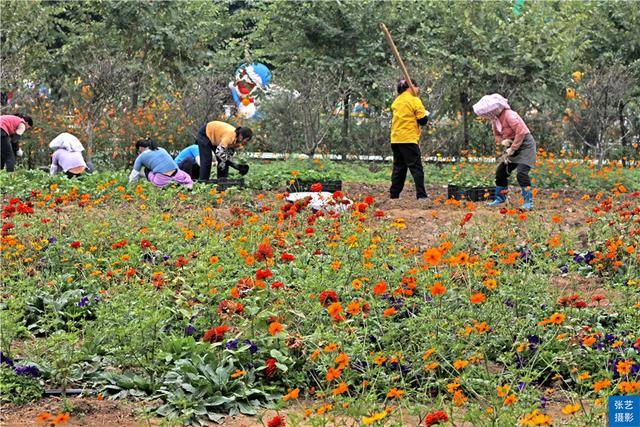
(624, 411)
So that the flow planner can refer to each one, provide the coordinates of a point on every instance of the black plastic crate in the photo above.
(224, 184)
(474, 194)
(305, 185)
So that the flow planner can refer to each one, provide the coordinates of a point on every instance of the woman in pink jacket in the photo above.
(510, 131)
(11, 129)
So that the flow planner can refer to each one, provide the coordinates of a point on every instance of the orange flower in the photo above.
(477, 298)
(624, 367)
(275, 327)
(601, 385)
(341, 388)
(380, 288)
(238, 373)
(293, 394)
(44, 417)
(437, 289)
(395, 393)
(510, 400)
(432, 256)
(342, 360)
(490, 284)
(353, 308)
(557, 318)
(589, 341)
(460, 364)
(571, 409)
(389, 312)
(333, 374)
(61, 418)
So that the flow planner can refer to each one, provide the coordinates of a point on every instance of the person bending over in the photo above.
(67, 156)
(160, 169)
(12, 127)
(222, 139)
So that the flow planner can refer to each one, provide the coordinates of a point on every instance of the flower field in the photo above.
(201, 305)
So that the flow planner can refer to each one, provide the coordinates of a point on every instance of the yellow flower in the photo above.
(571, 409)
(375, 417)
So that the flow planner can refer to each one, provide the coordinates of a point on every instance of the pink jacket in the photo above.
(9, 123)
(513, 127)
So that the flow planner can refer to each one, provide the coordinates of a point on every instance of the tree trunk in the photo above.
(464, 106)
(135, 91)
(346, 115)
(623, 131)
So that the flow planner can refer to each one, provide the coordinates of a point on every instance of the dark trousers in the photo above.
(190, 166)
(504, 170)
(7, 152)
(205, 148)
(406, 156)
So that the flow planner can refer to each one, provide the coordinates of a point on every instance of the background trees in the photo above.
(334, 53)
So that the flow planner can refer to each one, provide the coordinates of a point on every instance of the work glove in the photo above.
(506, 143)
(243, 169)
(19, 153)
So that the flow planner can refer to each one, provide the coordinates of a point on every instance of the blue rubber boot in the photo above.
(500, 196)
(527, 195)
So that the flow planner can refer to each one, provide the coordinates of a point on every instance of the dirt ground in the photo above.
(423, 223)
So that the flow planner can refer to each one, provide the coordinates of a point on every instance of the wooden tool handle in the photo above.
(394, 49)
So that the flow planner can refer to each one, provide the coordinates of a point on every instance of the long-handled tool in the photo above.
(394, 49)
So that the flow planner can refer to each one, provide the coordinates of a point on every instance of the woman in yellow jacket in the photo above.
(408, 115)
(224, 139)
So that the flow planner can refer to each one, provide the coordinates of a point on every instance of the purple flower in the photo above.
(508, 303)
(253, 349)
(543, 402)
(564, 269)
(5, 359)
(526, 255)
(232, 344)
(52, 240)
(189, 330)
(83, 301)
(27, 370)
(589, 256)
(578, 258)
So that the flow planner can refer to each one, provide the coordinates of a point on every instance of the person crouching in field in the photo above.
(188, 160)
(67, 156)
(160, 169)
(408, 115)
(510, 131)
(12, 127)
(224, 139)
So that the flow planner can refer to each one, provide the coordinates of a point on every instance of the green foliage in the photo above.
(202, 387)
(18, 389)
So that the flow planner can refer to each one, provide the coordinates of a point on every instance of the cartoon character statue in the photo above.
(251, 81)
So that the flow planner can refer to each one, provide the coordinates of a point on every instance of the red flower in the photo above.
(338, 195)
(75, 244)
(466, 219)
(316, 188)
(287, 257)
(181, 261)
(378, 213)
(215, 334)
(6, 227)
(309, 230)
(271, 367)
(263, 274)
(276, 421)
(144, 244)
(435, 418)
(230, 307)
(327, 298)
(276, 285)
(119, 244)
(369, 200)
(265, 251)
(362, 207)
